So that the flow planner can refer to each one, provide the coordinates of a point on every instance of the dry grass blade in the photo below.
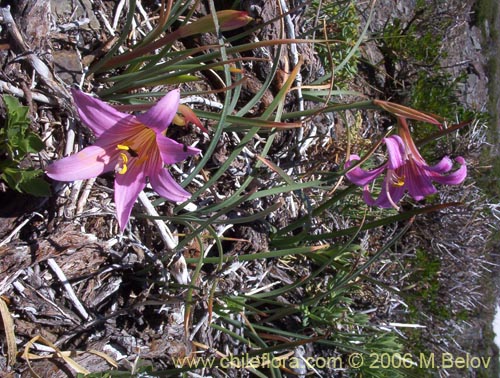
(10, 336)
(57, 353)
(65, 355)
(105, 357)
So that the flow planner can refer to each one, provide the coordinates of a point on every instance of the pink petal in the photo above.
(160, 116)
(167, 187)
(89, 162)
(369, 200)
(98, 115)
(454, 178)
(443, 166)
(396, 193)
(359, 176)
(418, 181)
(126, 130)
(127, 189)
(173, 152)
(395, 150)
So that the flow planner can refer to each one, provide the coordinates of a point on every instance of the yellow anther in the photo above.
(122, 147)
(124, 158)
(121, 167)
(398, 181)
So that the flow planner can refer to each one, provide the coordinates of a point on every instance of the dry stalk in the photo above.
(68, 288)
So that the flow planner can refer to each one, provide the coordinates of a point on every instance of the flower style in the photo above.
(406, 171)
(134, 146)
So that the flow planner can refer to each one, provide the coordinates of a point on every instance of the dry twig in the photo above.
(69, 290)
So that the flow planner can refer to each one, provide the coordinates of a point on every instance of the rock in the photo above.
(68, 65)
(68, 11)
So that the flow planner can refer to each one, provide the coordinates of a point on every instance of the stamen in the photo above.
(123, 170)
(121, 167)
(123, 147)
(398, 181)
(144, 147)
(394, 180)
(132, 152)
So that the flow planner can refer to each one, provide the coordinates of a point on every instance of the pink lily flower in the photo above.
(407, 171)
(134, 146)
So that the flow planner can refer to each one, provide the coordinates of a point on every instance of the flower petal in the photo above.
(443, 166)
(454, 178)
(396, 193)
(395, 150)
(89, 162)
(418, 180)
(421, 188)
(98, 115)
(359, 176)
(173, 152)
(160, 116)
(383, 201)
(127, 189)
(369, 200)
(164, 184)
